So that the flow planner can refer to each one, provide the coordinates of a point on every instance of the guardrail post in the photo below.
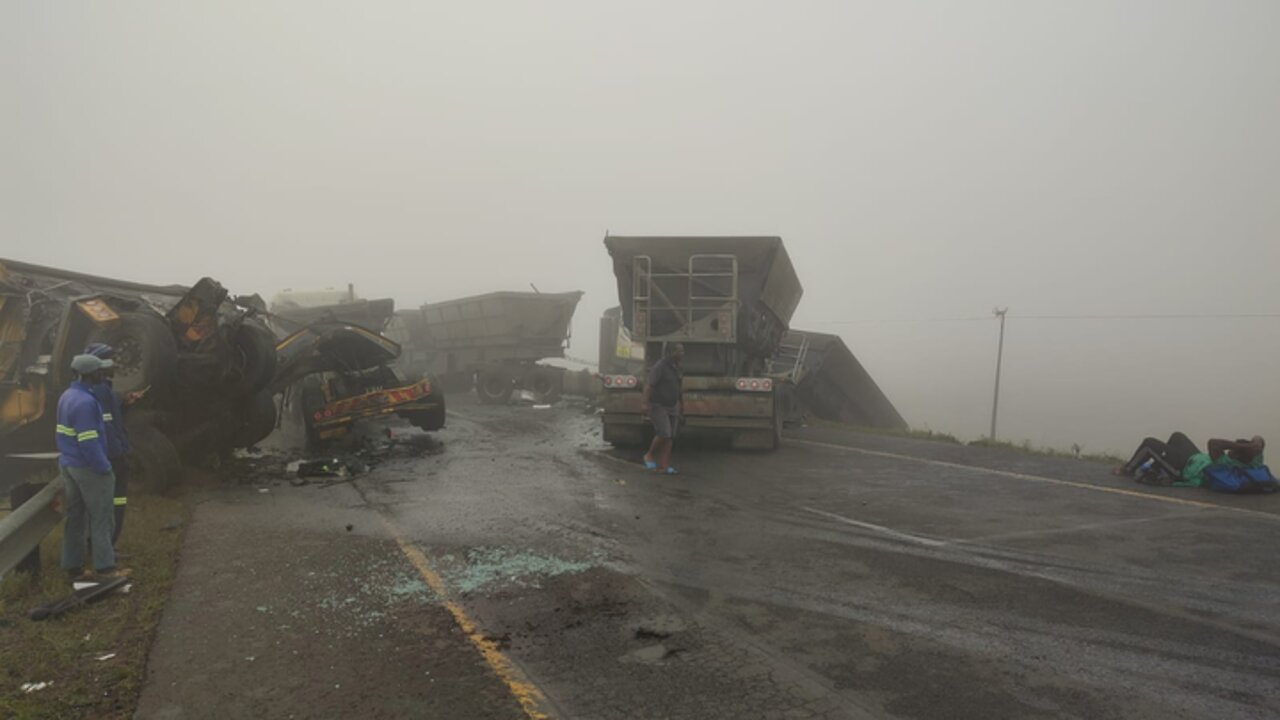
(17, 496)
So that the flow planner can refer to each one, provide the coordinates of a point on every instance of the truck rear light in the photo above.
(742, 384)
(767, 384)
(725, 323)
(319, 415)
(631, 381)
(608, 381)
(754, 384)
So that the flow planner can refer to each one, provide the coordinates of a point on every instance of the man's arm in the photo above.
(88, 428)
(1218, 447)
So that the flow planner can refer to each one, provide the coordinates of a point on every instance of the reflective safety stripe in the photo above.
(107, 417)
(87, 435)
(122, 501)
(64, 430)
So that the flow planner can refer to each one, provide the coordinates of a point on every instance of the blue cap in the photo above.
(102, 350)
(85, 364)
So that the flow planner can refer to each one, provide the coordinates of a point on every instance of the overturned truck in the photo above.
(493, 341)
(729, 301)
(819, 377)
(203, 360)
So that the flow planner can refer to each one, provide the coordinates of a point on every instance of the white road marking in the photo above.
(908, 537)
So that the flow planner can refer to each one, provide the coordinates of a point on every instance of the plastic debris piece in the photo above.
(108, 656)
(32, 687)
(82, 585)
(541, 407)
(126, 588)
(262, 490)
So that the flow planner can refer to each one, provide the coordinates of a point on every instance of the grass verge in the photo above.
(1024, 447)
(66, 650)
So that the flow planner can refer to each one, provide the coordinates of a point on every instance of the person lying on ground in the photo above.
(1184, 463)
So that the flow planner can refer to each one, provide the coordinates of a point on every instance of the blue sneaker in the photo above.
(672, 471)
(650, 465)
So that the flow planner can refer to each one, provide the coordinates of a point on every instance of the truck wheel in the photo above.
(146, 352)
(153, 460)
(494, 387)
(257, 418)
(256, 347)
(545, 383)
(311, 396)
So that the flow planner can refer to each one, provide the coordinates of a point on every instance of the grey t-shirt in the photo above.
(664, 383)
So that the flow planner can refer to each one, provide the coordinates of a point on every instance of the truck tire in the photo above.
(311, 395)
(545, 383)
(257, 420)
(430, 420)
(494, 387)
(153, 459)
(146, 352)
(256, 347)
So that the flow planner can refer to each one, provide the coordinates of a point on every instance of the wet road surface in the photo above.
(844, 576)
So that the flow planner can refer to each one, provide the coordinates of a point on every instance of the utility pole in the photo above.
(995, 402)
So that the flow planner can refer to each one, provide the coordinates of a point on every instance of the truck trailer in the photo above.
(493, 342)
(729, 301)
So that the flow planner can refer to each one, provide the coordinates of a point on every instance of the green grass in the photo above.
(1076, 453)
(1025, 446)
(919, 434)
(65, 650)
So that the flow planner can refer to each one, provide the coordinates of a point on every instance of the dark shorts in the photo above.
(666, 421)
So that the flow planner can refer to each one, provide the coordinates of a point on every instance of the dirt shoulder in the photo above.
(91, 661)
(295, 602)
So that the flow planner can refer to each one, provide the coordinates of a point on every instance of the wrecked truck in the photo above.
(728, 300)
(204, 360)
(492, 342)
(818, 376)
(339, 373)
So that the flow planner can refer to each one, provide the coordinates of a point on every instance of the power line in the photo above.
(1147, 316)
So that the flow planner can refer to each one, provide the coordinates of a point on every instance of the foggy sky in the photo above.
(924, 162)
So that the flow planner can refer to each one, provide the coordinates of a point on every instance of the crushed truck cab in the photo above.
(343, 374)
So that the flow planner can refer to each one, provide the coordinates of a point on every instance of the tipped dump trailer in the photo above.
(204, 360)
(729, 301)
(493, 341)
(819, 376)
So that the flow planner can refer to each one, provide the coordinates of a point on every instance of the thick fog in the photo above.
(924, 162)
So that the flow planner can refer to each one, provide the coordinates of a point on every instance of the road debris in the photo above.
(103, 658)
(33, 687)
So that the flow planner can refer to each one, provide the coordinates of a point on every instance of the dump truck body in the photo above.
(493, 341)
(728, 301)
(829, 383)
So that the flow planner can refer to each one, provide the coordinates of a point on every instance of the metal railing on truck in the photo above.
(676, 304)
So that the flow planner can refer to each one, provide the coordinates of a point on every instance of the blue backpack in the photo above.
(1240, 480)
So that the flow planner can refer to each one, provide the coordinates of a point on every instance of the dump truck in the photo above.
(492, 342)
(294, 309)
(343, 373)
(818, 376)
(204, 360)
(729, 301)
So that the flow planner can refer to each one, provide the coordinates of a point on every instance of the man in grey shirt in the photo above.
(662, 404)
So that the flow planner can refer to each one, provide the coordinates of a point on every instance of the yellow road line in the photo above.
(531, 699)
(1041, 478)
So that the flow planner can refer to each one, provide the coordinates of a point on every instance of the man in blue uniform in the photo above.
(90, 484)
(117, 436)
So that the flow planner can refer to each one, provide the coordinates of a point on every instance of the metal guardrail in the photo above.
(22, 529)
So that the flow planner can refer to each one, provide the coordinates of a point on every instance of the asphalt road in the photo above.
(844, 576)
